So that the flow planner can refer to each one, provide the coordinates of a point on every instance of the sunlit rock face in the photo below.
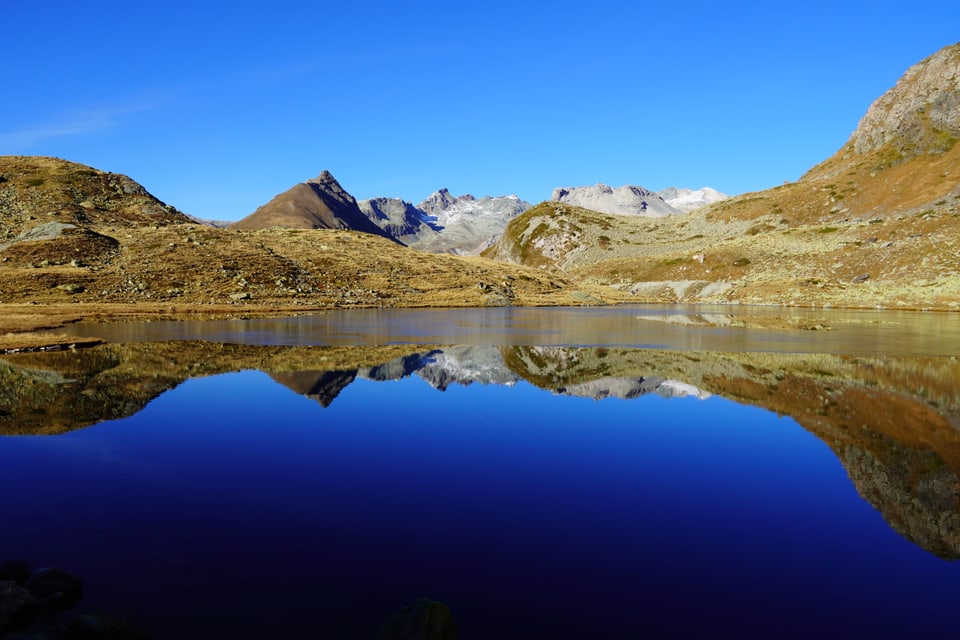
(443, 223)
(400, 219)
(467, 225)
(920, 114)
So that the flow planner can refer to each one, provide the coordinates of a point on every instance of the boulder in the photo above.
(15, 599)
(425, 619)
(55, 587)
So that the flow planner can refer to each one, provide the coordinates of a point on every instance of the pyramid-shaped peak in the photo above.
(325, 178)
(326, 186)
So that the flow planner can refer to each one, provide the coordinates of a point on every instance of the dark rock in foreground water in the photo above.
(425, 619)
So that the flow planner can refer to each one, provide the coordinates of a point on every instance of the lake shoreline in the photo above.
(29, 326)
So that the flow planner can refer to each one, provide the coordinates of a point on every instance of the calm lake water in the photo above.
(555, 473)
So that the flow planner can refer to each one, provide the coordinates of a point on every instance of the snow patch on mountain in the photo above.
(689, 199)
(628, 388)
(628, 200)
(465, 365)
(467, 225)
(444, 209)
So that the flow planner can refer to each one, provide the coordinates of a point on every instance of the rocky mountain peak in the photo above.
(325, 177)
(920, 114)
(318, 203)
(437, 202)
(400, 219)
(450, 224)
(325, 185)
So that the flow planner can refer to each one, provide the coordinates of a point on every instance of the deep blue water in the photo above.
(233, 507)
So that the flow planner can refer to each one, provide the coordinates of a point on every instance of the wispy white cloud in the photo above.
(78, 122)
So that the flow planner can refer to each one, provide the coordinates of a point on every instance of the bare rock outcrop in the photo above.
(920, 114)
(466, 225)
(443, 223)
(399, 218)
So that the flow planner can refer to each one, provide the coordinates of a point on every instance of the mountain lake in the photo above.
(598, 472)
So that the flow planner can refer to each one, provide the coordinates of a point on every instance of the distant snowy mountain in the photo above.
(403, 221)
(689, 199)
(466, 365)
(443, 223)
(627, 388)
(468, 225)
(447, 210)
(627, 200)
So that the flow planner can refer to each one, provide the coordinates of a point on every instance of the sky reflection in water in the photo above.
(233, 507)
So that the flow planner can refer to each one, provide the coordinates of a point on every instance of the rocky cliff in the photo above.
(400, 220)
(920, 115)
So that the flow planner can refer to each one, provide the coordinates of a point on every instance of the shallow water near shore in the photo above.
(711, 327)
(276, 488)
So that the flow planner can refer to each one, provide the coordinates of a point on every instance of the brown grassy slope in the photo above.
(72, 235)
(194, 264)
(320, 203)
(35, 190)
(875, 225)
(50, 393)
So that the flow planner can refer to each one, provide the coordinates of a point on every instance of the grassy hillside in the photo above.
(35, 190)
(874, 225)
(71, 234)
(190, 263)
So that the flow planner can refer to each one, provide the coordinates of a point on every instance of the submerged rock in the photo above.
(425, 619)
(15, 599)
(55, 586)
(102, 627)
(35, 598)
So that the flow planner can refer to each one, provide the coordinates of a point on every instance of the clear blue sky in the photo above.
(217, 107)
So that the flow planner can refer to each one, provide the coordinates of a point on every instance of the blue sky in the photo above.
(215, 108)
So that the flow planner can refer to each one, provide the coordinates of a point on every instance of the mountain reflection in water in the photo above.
(891, 421)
